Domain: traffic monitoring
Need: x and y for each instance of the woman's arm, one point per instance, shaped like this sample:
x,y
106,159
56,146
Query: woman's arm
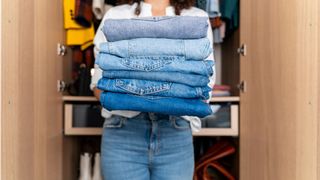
x,y
97,92
97,73
211,57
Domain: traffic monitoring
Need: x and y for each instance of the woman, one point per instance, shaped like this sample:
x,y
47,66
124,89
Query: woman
x,y
147,146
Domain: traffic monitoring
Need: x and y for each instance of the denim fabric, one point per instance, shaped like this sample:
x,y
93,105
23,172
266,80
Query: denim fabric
x,y
153,88
171,27
197,49
156,104
109,62
175,77
147,147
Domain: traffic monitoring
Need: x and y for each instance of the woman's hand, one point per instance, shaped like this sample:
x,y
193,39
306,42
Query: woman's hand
x,y
97,92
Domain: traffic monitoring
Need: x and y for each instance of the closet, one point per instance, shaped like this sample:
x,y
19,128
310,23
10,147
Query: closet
x,y
273,58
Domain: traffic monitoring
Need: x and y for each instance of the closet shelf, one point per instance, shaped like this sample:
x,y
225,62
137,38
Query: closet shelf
x,y
92,98
203,132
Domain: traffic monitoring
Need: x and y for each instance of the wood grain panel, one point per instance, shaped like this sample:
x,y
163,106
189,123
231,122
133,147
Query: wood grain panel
x,y
278,123
31,108
230,62
0,89
318,154
17,89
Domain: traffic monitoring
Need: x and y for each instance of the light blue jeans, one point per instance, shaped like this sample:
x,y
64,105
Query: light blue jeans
x,y
175,77
164,105
147,147
195,49
155,63
153,88
171,27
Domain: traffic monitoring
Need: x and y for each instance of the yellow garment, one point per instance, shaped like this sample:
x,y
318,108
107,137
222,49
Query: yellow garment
x,y
69,11
76,34
86,45
80,36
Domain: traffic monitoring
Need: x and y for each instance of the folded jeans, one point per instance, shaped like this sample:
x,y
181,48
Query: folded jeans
x,y
171,27
155,64
155,104
153,88
175,77
196,49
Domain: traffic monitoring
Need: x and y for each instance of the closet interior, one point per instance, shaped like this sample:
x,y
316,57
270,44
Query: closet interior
x,y
82,121
271,61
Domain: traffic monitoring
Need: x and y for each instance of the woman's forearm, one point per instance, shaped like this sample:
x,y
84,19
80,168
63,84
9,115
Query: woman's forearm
x,y
96,93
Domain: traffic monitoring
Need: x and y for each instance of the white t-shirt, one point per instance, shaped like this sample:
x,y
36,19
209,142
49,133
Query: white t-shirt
x,y
126,12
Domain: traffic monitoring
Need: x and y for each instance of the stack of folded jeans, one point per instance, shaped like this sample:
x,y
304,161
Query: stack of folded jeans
x,y
156,64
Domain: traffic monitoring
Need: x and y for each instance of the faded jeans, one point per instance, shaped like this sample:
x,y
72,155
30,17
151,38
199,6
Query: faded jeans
x,y
153,88
171,27
147,147
175,77
109,62
197,49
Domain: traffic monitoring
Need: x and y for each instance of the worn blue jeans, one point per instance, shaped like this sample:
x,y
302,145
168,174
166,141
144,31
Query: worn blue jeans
x,y
147,147
171,27
153,88
155,63
164,105
175,77
196,49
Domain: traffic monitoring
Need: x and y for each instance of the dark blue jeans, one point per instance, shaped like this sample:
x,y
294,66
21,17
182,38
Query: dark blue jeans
x,y
175,77
153,88
164,105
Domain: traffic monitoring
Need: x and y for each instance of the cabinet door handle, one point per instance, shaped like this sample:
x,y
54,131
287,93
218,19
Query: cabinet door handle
x,y
242,86
61,49
242,50
61,86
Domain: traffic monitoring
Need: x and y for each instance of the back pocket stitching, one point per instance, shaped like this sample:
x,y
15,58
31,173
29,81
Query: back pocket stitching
x,y
142,91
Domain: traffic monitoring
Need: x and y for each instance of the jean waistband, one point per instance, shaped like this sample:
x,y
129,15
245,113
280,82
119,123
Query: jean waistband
x,y
152,116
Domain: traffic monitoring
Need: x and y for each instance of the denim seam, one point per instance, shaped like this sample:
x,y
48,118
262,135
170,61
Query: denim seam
x,y
109,48
200,93
177,127
135,66
157,149
129,48
118,125
140,91
185,50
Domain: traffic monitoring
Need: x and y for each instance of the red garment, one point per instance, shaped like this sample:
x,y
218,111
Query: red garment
x,y
83,12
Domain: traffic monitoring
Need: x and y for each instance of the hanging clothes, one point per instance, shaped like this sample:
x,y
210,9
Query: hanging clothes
x,y
230,14
75,33
100,7
83,12
212,8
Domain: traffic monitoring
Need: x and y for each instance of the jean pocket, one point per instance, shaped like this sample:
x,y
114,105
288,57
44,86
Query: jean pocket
x,y
114,122
180,123
142,88
146,64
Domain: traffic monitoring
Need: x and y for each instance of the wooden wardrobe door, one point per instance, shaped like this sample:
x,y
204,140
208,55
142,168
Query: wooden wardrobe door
x,y
31,106
279,123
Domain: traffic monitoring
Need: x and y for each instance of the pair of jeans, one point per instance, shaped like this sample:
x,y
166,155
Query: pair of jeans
x,y
109,62
171,27
196,49
175,77
153,88
157,104
147,147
